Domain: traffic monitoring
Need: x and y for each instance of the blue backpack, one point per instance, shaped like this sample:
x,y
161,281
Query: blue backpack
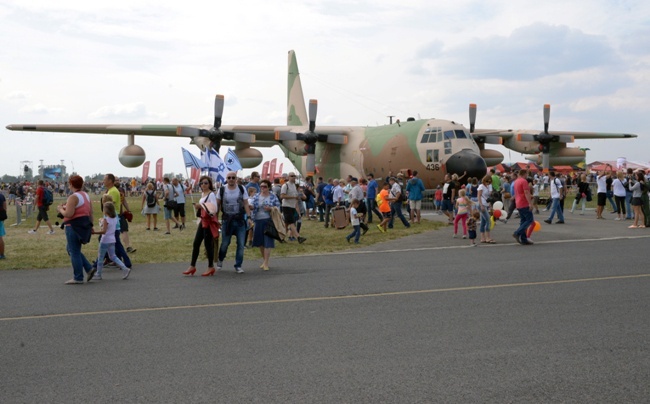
x,y
48,198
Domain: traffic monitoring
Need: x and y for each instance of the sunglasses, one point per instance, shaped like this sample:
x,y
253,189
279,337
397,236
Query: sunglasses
x,y
264,186
205,183
231,178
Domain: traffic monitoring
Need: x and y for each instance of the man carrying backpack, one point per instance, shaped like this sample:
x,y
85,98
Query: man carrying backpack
x,y
43,202
395,199
232,201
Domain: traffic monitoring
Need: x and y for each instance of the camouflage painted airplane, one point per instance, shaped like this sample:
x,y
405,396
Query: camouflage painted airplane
x,y
434,147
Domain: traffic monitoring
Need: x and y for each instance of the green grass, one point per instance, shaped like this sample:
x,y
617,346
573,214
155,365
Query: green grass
x,y
27,251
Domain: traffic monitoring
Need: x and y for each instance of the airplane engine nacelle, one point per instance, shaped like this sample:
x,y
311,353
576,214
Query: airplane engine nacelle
x,y
249,157
565,156
491,157
132,156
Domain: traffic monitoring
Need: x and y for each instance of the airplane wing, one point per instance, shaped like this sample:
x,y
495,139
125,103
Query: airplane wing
x,y
141,130
592,135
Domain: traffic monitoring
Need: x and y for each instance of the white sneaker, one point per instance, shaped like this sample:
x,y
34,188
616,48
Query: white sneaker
x,y
239,270
50,232
31,231
219,265
126,273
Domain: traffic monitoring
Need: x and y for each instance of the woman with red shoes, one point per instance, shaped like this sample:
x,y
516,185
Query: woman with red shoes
x,y
206,230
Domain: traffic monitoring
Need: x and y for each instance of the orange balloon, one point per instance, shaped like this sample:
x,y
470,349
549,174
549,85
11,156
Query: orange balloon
x,y
496,214
537,226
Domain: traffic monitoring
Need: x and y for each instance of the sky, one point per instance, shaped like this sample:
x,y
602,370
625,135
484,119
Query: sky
x,y
162,62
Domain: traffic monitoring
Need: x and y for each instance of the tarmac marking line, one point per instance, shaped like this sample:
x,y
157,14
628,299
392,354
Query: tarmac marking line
x,y
326,298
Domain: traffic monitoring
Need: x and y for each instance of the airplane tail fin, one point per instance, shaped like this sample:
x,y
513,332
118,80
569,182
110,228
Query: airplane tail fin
x,y
296,112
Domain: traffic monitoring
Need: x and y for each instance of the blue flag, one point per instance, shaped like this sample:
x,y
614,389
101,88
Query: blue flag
x,y
232,161
192,161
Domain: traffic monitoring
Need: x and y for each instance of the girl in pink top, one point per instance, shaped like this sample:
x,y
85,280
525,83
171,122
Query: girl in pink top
x,y
463,208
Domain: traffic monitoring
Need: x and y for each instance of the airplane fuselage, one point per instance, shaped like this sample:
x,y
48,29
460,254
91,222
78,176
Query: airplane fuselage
x,y
433,147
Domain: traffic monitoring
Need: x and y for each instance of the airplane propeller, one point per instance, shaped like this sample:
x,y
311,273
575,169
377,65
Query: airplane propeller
x,y
545,138
480,139
310,137
215,134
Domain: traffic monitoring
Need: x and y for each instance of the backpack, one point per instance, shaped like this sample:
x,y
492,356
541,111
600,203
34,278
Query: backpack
x,y
151,199
48,198
240,199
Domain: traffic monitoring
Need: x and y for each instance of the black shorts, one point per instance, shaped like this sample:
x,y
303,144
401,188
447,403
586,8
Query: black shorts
x,y
42,214
289,215
124,224
602,199
636,201
179,210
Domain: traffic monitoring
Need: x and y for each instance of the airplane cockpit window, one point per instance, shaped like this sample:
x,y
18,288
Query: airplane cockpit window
x,y
460,134
425,137
449,134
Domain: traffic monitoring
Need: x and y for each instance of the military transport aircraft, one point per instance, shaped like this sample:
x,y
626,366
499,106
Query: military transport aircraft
x,y
434,147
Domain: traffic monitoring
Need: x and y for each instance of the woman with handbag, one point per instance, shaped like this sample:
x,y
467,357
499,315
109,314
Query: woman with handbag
x,y
262,204
170,204
206,230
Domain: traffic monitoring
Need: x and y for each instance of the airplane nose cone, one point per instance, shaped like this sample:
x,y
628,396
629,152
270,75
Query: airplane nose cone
x,y
467,161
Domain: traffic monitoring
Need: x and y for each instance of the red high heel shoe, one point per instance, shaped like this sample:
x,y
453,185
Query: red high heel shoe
x,y
210,272
190,271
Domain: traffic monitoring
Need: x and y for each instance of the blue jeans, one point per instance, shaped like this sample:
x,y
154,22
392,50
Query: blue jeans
x,y
356,233
103,250
228,229
525,220
396,210
628,199
610,198
485,219
371,205
555,208
79,261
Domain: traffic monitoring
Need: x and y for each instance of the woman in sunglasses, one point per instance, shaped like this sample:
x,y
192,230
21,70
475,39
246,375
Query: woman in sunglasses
x,y
207,206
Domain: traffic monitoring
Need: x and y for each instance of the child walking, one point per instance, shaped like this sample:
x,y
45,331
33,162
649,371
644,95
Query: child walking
x,y
471,226
463,206
107,243
354,221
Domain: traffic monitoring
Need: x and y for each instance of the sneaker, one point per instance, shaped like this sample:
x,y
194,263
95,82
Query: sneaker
x,y
219,265
74,282
31,231
560,222
527,242
97,278
301,240
90,274
126,273
453,236
547,221
473,245
464,237
130,250
530,241
347,239
50,232
381,229
239,270
516,237
617,218
182,227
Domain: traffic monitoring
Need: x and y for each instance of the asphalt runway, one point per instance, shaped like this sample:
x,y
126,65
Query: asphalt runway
x,y
421,319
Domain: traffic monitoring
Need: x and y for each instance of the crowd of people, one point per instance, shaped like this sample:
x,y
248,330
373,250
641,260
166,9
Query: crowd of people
x,y
258,212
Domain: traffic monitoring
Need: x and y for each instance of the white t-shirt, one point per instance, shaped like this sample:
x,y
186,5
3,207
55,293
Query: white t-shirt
x,y
485,194
290,190
231,200
602,184
354,220
556,185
